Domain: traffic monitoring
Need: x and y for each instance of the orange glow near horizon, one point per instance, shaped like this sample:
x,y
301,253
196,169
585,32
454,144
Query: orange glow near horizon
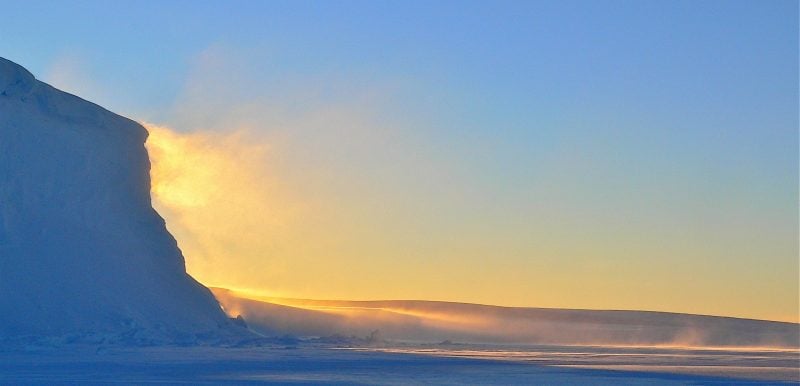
x,y
452,321
248,216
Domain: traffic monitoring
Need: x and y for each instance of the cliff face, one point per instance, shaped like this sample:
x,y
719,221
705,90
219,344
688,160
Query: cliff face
x,y
81,249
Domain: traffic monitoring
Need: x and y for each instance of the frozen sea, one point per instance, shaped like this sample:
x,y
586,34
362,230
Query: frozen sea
x,y
397,364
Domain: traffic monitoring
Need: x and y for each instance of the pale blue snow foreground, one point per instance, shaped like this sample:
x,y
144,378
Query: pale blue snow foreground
x,y
306,363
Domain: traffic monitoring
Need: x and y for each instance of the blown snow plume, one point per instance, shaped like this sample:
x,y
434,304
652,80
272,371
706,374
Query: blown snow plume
x,y
433,321
82,252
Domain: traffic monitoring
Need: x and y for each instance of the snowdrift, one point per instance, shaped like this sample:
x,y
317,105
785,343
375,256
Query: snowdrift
x,y
83,255
431,321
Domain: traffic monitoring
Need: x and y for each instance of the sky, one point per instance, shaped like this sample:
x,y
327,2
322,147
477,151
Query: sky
x,y
602,155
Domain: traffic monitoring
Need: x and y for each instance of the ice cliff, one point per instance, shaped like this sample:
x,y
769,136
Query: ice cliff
x,y
82,252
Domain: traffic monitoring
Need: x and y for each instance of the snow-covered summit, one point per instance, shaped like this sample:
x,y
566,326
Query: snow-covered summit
x,y
82,252
15,80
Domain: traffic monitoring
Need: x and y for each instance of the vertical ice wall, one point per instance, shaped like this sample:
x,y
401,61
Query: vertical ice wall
x,y
81,249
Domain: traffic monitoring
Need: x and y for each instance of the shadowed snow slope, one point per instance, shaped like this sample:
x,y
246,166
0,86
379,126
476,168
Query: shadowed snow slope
x,y
82,252
430,321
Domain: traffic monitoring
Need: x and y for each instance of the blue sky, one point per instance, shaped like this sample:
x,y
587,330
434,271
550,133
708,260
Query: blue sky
x,y
618,139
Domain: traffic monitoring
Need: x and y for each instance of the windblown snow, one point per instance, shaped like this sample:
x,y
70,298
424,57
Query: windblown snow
x,y
82,252
432,321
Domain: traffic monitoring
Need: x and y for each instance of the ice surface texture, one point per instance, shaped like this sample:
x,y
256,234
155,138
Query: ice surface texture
x,y
82,251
